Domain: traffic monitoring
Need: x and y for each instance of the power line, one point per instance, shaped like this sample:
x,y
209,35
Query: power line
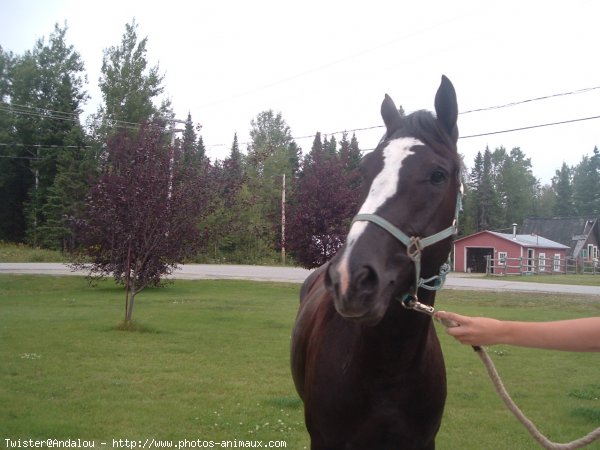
x,y
43,113
489,133
530,127
60,115
535,99
41,110
487,108
21,157
46,146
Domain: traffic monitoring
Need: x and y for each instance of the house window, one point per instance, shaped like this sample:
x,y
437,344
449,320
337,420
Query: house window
x,y
557,262
590,251
542,262
502,257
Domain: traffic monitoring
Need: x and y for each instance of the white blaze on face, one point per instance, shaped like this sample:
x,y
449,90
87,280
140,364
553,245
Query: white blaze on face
x,y
382,188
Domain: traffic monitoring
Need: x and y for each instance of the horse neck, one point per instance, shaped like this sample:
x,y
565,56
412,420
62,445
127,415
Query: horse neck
x,y
402,334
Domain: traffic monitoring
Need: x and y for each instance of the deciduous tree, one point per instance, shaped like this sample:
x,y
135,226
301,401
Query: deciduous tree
x,y
130,89
322,204
272,153
142,214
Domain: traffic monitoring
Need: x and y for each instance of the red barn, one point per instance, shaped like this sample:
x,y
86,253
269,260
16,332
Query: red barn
x,y
509,253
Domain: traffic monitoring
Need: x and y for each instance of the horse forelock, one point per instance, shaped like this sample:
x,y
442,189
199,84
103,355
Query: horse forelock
x,y
424,126
383,187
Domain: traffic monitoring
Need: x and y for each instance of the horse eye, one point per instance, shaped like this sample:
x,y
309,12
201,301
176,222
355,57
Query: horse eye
x,y
438,177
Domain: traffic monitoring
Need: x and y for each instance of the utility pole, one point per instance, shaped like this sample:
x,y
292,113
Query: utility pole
x,y
172,158
283,221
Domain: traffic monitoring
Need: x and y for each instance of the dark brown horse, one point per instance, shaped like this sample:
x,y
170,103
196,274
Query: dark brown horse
x,y
369,371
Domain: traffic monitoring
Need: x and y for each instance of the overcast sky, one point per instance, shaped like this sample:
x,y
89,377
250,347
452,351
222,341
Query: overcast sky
x,y
326,65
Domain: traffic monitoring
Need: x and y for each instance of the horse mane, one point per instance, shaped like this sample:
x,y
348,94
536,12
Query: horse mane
x,y
424,126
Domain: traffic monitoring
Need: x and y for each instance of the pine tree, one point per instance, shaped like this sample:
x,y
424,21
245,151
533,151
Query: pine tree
x,y
486,193
563,189
520,188
233,164
47,84
586,179
349,151
192,154
188,141
12,167
66,200
201,149
316,150
330,147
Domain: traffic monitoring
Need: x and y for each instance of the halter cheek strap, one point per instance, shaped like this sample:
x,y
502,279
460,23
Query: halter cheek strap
x,y
414,248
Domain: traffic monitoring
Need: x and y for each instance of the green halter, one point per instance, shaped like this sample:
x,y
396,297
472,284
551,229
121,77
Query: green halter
x,y
414,248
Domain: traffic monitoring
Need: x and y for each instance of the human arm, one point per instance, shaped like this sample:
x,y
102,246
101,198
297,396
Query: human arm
x,y
578,335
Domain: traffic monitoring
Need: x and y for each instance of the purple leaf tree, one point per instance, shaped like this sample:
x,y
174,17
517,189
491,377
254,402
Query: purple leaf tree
x,y
323,202
142,214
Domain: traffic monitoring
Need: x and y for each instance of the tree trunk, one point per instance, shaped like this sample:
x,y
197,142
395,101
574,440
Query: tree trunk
x,y
131,301
128,285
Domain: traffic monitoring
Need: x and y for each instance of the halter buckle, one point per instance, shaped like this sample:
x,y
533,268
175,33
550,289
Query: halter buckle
x,y
409,300
414,249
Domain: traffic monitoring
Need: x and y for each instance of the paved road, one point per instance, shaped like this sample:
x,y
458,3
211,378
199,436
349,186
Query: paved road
x,y
297,275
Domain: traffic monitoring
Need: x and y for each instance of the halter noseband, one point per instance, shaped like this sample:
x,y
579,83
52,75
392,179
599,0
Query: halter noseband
x,y
414,248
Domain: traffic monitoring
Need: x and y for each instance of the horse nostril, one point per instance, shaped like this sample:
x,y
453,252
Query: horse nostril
x,y
366,280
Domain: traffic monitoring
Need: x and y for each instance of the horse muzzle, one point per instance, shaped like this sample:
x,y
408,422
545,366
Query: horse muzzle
x,y
358,293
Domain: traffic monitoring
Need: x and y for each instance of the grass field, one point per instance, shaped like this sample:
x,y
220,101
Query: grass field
x,y
211,362
583,280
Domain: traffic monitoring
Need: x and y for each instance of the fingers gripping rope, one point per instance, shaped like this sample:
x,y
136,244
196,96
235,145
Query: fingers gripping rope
x,y
412,302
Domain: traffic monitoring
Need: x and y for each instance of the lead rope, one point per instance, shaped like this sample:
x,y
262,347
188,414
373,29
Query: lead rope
x,y
508,401
413,303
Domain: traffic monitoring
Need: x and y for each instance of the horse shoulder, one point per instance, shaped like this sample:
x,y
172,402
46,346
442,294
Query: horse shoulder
x,y
316,275
313,298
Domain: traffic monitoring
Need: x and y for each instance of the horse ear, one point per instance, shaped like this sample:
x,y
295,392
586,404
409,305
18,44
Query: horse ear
x,y
446,107
390,114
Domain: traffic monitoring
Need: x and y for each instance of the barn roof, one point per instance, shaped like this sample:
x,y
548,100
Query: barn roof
x,y
530,240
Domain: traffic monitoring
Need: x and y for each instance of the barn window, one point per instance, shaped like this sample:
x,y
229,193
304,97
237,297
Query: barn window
x,y
542,262
502,257
557,262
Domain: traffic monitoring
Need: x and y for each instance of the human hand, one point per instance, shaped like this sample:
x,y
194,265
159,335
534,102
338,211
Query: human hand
x,y
472,330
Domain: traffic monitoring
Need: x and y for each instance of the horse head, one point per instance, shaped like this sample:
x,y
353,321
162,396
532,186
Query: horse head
x,y
411,184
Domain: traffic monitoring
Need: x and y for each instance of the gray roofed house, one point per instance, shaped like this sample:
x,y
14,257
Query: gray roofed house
x,y
580,234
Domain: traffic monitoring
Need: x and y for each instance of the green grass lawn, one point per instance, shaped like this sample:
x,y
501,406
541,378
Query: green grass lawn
x,y
212,362
579,280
